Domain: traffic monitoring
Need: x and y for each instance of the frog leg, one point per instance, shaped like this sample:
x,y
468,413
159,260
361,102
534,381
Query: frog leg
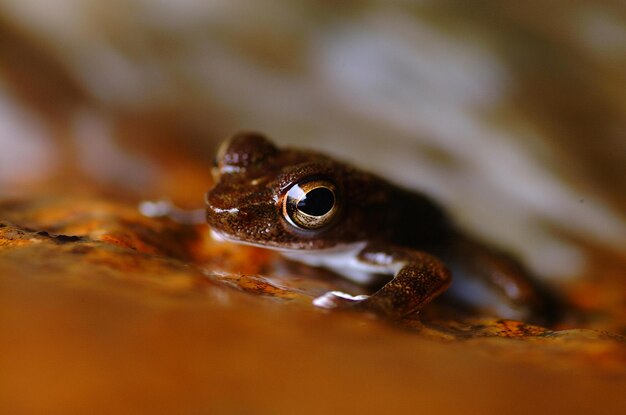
x,y
418,278
513,285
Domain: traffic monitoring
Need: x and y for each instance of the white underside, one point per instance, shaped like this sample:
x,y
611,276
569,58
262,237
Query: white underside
x,y
341,259
345,262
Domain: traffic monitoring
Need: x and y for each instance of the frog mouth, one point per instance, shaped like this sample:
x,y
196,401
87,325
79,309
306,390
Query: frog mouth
x,y
224,237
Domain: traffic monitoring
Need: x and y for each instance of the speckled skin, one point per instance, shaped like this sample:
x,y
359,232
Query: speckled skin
x,y
400,229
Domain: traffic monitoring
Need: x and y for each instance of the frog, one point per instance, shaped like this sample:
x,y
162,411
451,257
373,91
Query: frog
x,y
327,213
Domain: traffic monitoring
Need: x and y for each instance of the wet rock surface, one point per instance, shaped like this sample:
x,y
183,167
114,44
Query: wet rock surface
x,y
104,310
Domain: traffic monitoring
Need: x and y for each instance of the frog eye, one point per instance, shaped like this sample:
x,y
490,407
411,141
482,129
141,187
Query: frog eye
x,y
310,205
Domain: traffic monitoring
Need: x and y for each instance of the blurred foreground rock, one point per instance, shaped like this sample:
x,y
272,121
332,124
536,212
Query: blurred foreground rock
x,y
106,311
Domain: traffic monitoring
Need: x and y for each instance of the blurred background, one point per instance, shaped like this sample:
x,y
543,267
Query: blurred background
x,y
512,114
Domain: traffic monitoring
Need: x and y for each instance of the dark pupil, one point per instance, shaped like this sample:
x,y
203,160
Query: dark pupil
x,y
317,202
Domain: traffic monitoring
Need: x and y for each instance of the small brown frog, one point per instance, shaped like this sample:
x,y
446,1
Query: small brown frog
x,y
326,213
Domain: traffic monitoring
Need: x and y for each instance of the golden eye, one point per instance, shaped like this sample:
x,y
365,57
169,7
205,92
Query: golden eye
x,y
310,205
